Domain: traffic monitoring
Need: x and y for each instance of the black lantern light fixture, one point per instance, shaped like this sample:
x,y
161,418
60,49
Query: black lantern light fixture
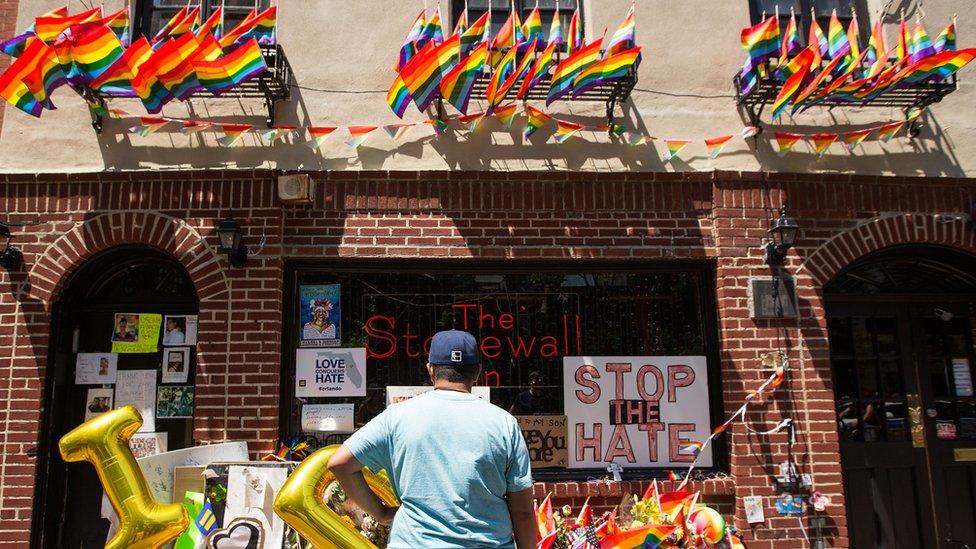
x,y
11,257
782,234
229,232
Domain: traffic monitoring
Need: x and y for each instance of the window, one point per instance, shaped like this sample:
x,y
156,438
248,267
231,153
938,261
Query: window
x,y
500,10
526,321
803,8
152,15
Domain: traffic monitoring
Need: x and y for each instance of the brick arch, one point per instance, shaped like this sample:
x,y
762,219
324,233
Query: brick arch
x,y
883,231
174,236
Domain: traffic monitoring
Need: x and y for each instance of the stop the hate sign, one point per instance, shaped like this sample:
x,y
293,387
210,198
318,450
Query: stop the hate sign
x,y
636,411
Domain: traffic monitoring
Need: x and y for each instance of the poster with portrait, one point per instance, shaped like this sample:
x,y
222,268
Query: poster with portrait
x,y
136,333
148,444
176,364
175,401
319,316
97,402
180,330
96,368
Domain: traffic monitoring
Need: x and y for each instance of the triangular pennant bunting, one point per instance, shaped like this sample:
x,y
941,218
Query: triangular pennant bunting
x,y
675,146
716,144
506,114
887,131
148,125
749,131
358,134
318,134
439,125
396,131
853,139
821,141
232,134
277,132
785,141
191,127
637,139
565,130
472,120
536,119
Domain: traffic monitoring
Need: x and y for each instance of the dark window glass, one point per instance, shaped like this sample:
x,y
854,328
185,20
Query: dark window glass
x,y
152,15
803,9
500,10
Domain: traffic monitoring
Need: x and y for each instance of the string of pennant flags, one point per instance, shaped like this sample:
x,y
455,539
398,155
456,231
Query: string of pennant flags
x,y
535,120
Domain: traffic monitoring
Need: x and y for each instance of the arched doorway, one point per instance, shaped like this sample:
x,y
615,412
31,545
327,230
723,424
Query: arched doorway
x,y
128,279
901,328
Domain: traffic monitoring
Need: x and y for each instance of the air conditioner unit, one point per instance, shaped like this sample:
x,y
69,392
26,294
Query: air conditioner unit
x,y
296,189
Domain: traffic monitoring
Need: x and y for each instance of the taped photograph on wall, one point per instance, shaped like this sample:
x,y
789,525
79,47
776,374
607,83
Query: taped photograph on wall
x,y
320,316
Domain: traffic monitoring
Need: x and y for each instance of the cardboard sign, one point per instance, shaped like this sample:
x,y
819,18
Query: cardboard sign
x,y
327,418
399,393
136,333
159,469
330,372
636,411
545,437
138,388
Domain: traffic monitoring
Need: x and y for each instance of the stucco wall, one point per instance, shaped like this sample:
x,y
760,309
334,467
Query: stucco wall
x,y
691,52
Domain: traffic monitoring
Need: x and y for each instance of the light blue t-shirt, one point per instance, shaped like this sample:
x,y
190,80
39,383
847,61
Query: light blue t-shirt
x,y
451,458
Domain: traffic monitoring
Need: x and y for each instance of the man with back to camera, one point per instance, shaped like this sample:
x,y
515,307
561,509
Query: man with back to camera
x,y
458,464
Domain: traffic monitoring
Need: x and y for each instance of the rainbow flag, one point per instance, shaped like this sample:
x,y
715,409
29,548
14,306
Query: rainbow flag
x,y
624,38
814,84
574,39
837,82
946,41
887,131
565,130
409,47
149,125
694,447
748,77
785,142
674,147
505,68
170,25
877,56
358,135
474,35
497,95
506,114
536,119
398,96
532,27
538,71
38,68
613,67
264,27
213,25
566,71
15,46
934,68
556,29
119,23
852,39
396,131
902,50
233,134
750,131
714,147
191,127
318,135
423,73
761,41
433,30
461,24
649,536
238,66
544,519
190,22
509,35
798,68
674,502
636,139
853,139
457,84
118,78
49,26
88,50
472,120
921,43
822,141
277,132
818,37
439,125
839,45
791,41
231,37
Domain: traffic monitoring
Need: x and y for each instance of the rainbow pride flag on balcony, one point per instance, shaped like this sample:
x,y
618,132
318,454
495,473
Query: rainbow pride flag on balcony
x,y
233,69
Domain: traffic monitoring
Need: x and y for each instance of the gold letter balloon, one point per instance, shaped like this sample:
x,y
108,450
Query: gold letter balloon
x,y
104,442
301,504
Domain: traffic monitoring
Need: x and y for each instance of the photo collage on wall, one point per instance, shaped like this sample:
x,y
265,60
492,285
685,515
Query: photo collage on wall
x,y
150,367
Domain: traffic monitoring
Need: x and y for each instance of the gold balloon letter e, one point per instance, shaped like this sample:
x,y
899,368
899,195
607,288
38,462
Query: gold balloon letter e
x,y
104,442
300,503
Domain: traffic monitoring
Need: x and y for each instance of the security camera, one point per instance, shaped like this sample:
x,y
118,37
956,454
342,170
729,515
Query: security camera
x,y
946,316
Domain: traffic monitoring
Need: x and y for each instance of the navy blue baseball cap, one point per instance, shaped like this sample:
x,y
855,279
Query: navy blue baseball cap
x,y
454,348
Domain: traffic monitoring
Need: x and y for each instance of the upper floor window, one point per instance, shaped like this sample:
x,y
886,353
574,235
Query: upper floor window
x,y
803,10
501,9
152,15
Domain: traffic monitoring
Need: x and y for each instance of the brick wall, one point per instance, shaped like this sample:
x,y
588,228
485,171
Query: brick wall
x,y
721,217
8,28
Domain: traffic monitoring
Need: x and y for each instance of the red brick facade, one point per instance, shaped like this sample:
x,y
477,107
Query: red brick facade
x,y
61,220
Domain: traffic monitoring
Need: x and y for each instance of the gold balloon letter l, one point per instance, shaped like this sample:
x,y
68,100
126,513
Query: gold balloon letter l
x,y
300,503
104,442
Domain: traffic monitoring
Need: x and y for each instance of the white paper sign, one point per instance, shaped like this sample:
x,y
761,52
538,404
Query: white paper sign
x,y
158,469
330,372
138,388
636,411
399,393
176,364
96,368
962,376
250,493
328,418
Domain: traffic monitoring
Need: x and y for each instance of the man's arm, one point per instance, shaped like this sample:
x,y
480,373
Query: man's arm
x,y
349,473
523,518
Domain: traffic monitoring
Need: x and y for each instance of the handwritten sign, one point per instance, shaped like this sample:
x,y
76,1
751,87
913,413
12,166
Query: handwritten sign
x,y
330,372
638,411
545,437
138,388
159,469
136,333
399,393
327,418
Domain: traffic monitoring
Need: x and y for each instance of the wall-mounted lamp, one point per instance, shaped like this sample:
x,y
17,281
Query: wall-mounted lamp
x,y
229,232
782,234
11,257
